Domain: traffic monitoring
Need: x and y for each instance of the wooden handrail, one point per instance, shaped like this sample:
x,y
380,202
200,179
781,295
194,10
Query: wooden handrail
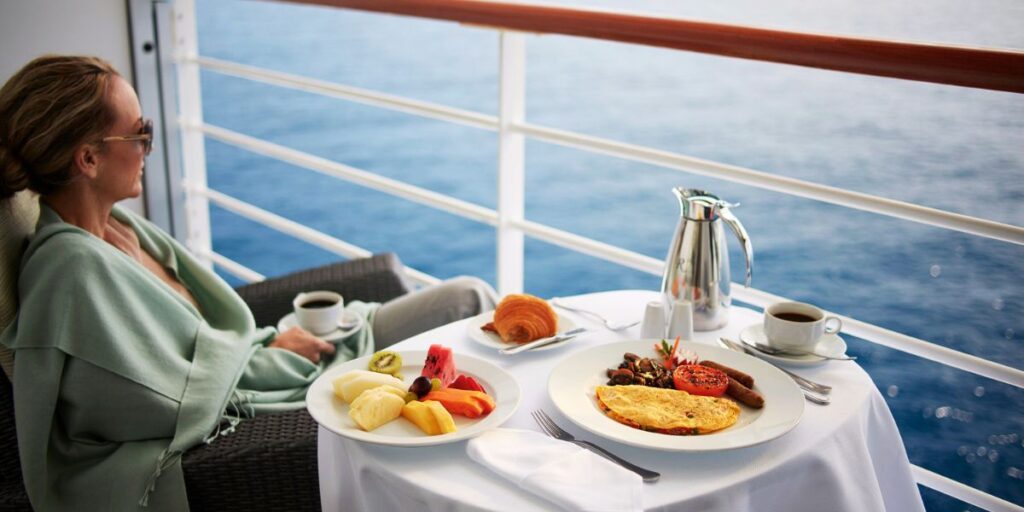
x,y
982,68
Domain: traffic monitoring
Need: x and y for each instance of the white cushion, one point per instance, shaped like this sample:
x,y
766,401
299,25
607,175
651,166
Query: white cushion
x,y
18,218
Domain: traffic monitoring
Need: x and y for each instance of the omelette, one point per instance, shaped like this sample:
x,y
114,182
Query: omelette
x,y
666,411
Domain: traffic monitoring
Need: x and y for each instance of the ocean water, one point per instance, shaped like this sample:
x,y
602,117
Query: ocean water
x,y
944,147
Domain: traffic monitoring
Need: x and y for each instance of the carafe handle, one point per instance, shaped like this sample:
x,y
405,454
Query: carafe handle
x,y
741,234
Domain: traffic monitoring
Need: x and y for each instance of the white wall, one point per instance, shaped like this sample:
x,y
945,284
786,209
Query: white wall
x,y
29,28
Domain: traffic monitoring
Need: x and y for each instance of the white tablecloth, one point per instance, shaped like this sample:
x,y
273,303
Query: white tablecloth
x,y
847,456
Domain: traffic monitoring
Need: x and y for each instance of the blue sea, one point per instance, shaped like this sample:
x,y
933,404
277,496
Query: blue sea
x,y
945,147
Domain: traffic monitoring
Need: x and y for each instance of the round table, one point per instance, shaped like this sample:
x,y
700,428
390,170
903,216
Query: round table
x,y
845,456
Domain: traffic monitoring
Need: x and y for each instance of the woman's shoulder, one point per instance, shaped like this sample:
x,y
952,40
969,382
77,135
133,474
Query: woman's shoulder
x,y
56,242
67,251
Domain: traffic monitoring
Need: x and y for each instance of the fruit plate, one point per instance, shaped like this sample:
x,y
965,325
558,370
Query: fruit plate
x,y
574,381
490,339
332,412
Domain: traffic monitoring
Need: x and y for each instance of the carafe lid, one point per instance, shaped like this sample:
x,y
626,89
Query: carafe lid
x,y
698,204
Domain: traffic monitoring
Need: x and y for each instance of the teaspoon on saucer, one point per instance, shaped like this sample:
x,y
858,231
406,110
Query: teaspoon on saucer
x,y
793,352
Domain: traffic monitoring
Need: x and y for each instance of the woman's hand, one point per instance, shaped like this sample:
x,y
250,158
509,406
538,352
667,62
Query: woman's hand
x,y
303,343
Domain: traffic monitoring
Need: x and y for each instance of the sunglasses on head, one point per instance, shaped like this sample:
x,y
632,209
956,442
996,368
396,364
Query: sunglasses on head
x,y
145,135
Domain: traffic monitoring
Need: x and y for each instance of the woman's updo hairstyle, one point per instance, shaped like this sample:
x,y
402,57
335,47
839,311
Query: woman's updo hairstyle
x,y
47,109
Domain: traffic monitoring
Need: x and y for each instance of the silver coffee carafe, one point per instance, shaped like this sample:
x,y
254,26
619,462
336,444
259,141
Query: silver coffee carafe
x,y
697,265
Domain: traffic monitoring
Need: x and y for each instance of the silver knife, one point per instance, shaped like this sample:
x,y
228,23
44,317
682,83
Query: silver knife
x,y
544,341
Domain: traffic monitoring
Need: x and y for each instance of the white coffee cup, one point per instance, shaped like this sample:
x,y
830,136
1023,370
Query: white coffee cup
x,y
797,325
318,312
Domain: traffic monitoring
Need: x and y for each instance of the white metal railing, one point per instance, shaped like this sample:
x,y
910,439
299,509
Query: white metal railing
x,y
511,161
791,186
841,197
197,213
292,228
509,219
233,267
354,94
967,494
353,175
591,247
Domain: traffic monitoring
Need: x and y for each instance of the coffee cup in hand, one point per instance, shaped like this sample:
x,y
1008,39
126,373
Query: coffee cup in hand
x,y
796,325
318,312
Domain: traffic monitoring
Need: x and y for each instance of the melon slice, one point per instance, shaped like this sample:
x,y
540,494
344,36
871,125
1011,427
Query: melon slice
x,y
441,364
350,385
444,419
422,416
430,416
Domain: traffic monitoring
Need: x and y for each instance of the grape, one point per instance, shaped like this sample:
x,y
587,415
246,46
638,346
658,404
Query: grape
x,y
421,386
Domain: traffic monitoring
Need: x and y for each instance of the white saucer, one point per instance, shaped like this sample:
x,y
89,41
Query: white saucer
x,y
492,340
348,324
829,344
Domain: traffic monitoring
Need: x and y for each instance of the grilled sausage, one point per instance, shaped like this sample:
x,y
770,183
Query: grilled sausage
x,y
744,394
740,377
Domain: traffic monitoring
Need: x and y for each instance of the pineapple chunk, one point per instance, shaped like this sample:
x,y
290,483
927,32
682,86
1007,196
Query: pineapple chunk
x,y
375,407
419,414
399,392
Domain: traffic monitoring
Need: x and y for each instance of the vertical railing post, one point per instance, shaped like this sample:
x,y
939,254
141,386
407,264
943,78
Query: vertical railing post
x,y
197,207
511,161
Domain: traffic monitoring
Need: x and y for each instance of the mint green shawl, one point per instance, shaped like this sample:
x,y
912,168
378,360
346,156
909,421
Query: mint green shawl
x,y
116,374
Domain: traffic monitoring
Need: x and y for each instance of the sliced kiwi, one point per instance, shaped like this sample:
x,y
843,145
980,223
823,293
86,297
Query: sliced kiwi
x,y
385,361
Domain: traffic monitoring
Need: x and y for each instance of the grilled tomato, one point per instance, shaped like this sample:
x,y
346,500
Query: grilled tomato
x,y
700,380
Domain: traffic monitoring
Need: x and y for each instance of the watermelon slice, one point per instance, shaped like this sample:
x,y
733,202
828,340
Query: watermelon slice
x,y
468,383
440,364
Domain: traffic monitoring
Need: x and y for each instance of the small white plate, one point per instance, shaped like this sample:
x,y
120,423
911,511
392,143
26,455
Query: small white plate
x,y
332,412
574,380
348,324
829,345
490,339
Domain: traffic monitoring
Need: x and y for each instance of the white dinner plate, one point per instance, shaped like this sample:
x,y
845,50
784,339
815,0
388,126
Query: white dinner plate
x,y
829,345
574,380
490,339
348,324
332,412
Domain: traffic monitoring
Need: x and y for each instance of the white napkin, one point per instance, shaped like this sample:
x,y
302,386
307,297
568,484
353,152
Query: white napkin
x,y
572,477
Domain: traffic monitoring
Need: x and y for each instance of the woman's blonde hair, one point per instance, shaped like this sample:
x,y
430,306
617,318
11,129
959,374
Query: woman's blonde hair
x,y
47,109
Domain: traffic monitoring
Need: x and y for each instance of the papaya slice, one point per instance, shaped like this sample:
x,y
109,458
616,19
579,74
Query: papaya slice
x,y
471,404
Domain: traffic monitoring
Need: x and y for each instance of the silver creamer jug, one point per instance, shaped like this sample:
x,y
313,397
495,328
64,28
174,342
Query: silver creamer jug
x,y
697,265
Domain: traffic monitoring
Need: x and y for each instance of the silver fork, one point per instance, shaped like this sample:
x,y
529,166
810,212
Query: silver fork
x,y
550,428
611,326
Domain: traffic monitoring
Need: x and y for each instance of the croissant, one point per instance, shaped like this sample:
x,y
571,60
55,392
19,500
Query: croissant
x,y
523,318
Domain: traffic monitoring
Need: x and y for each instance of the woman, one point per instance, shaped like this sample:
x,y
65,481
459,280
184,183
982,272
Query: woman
x,y
128,350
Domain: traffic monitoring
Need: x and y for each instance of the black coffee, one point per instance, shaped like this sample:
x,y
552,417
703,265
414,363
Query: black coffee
x,y
319,304
795,317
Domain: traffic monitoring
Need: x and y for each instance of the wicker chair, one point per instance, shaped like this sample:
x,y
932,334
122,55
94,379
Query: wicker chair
x,y
269,462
